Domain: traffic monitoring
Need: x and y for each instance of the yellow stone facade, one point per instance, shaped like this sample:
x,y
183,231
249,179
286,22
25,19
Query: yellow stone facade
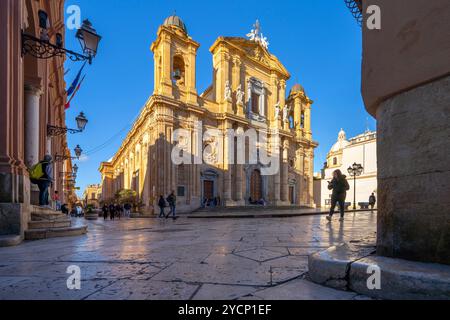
x,y
248,92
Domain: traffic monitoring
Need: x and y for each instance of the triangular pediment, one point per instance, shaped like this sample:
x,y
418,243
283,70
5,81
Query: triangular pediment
x,y
254,51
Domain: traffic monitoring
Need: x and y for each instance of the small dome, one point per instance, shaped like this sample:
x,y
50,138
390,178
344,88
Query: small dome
x,y
341,143
297,88
175,21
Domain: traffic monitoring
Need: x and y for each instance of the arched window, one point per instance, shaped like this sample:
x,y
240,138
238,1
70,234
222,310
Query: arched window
x,y
334,161
178,69
291,122
302,120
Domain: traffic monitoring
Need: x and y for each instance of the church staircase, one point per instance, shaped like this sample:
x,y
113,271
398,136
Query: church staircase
x,y
46,223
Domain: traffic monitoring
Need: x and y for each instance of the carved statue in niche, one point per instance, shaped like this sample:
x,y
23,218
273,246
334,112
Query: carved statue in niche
x,y
227,90
277,111
286,112
240,95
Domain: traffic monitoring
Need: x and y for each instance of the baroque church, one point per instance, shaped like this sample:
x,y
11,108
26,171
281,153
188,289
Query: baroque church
x,y
248,91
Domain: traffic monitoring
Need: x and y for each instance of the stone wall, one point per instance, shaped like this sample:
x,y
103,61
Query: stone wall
x,y
414,174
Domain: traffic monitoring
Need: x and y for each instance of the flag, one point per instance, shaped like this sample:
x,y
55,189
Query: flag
x,y
67,105
75,82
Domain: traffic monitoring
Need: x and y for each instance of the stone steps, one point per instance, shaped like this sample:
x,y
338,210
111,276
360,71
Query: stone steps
x,y
45,224
45,233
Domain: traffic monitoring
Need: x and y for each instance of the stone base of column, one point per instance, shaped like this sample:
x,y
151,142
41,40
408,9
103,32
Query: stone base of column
x,y
34,195
345,266
229,203
14,204
14,219
239,203
281,203
414,174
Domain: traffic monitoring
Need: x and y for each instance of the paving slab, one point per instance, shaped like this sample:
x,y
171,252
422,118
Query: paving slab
x,y
189,258
303,290
223,292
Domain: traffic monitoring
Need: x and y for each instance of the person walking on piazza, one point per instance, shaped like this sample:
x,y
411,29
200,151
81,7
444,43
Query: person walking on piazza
x,y
105,211
119,210
161,205
112,211
372,201
340,186
172,200
127,208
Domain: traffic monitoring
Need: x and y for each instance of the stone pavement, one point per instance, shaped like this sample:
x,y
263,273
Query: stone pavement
x,y
187,259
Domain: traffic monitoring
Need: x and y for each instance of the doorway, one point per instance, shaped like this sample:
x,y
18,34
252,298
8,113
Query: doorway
x,y
208,189
256,186
291,195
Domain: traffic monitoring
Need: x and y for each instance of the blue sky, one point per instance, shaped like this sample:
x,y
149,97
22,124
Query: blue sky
x,y
319,42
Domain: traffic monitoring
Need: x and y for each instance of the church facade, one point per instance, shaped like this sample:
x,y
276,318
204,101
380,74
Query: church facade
x,y
248,94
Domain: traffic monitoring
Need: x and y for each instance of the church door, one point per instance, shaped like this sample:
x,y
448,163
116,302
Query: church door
x,y
256,186
291,195
208,189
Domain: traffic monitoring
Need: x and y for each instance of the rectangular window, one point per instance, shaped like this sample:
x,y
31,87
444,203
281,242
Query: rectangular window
x,y
255,103
181,190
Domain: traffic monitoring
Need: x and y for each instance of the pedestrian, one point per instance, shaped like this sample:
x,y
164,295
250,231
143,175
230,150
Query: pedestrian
x,y
42,175
172,200
161,205
105,211
127,208
119,210
56,199
340,186
64,209
112,211
372,201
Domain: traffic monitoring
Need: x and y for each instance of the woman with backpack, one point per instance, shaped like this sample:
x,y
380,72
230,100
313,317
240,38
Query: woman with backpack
x,y
340,186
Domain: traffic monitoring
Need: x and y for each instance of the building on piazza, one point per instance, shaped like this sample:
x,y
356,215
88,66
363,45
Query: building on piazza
x,y
248,92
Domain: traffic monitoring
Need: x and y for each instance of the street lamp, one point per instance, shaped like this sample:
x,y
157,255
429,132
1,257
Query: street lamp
x,y
81,120
89,39
355,171
41,47
78,151
75,169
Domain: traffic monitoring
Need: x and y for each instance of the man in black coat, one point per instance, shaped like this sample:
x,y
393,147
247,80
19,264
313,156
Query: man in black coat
x,y
340,186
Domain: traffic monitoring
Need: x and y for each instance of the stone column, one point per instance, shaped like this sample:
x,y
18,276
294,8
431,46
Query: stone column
x,y
236,81
32,99
227,167
32,115
239,174
285,172
166,76
406,86
298,116
276,185
308,132
191,76
414,174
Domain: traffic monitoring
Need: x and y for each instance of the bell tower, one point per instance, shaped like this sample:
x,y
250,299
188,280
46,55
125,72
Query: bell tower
x,y
175,56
